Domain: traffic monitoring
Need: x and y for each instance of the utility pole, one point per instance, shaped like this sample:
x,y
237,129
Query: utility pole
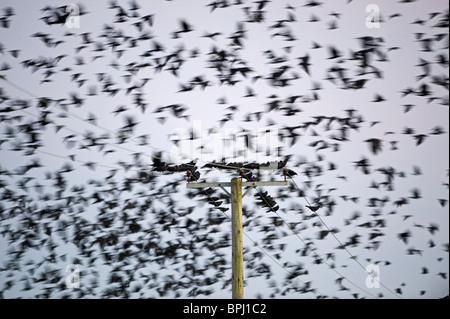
x,y
237,253
237,250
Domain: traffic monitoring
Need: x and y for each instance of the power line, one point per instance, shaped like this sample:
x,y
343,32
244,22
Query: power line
x,y
255,243
307,246
271,208
342,245
64,157
212,164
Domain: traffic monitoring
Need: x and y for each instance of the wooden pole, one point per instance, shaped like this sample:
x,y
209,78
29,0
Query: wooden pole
x,y
236,238
237,262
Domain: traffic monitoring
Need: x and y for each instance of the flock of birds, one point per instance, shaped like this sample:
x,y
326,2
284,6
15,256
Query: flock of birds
x,y
133,221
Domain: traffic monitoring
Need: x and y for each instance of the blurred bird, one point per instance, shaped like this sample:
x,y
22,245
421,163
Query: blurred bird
x,y
314,208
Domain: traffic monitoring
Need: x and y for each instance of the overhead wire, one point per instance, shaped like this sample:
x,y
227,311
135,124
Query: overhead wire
x,y
257,245
245,233
344,247
309,248
214,164
83,120
217,165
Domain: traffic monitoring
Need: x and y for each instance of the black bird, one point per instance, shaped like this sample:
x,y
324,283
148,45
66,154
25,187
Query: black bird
x,y
375,145
358,84
249,176
334,53
290,173
404,236
378,98
265,200
314,208
304,63
185,28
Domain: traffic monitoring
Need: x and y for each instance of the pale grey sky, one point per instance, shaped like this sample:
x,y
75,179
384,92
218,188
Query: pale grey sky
x,y
398,59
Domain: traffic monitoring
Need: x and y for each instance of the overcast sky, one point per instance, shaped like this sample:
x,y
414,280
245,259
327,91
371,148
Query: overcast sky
x,y
339,24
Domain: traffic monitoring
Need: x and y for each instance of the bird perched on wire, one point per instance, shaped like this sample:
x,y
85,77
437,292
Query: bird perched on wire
x,y
248,176
314,208
265,200
193,175
289,172
158,164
